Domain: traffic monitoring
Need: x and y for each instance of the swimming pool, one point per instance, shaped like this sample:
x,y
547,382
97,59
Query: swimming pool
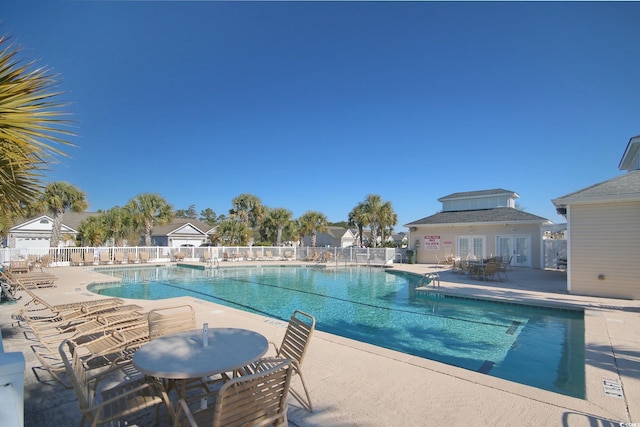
x,y
537,346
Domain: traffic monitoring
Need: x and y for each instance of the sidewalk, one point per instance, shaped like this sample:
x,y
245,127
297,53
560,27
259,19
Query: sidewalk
x,y
357,384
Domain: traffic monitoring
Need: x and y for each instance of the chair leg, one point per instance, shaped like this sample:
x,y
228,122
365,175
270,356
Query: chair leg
x,y
306,403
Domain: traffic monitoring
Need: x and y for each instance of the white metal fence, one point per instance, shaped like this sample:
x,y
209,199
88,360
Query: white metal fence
x,y
65,256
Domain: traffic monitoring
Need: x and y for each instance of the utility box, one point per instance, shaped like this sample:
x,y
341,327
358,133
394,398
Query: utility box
x,y
12,366
411,256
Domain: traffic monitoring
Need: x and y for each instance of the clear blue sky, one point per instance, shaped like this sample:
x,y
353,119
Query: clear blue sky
x,y
314,105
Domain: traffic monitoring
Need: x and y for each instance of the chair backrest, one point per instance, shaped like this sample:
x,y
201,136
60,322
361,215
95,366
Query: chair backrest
x,y
491,268
131,256
206,256
45,260
118,256
257,399
297,337
19,266
144,256
170,320
88,257
77,375
104,257
34,298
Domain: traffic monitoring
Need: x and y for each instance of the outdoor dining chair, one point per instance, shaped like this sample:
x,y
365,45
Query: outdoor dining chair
x,y
293,347
258,399
126,398
171,320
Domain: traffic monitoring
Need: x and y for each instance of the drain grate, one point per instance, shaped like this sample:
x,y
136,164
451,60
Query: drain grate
x,y
612,388
486,367
513,327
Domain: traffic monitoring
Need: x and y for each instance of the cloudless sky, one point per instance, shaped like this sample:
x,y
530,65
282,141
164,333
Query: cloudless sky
x,y
315,105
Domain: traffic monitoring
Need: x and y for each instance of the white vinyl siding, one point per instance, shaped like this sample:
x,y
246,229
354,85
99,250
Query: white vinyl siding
x,y
604,240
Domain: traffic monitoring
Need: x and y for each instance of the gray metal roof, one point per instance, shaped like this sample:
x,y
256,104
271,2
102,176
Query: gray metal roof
x,y
479,215
624,187
480,193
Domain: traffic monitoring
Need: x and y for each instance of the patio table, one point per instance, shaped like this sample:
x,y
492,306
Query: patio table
x,y
183,356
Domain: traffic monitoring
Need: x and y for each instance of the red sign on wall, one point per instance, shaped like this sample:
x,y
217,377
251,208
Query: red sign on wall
x,y
432,243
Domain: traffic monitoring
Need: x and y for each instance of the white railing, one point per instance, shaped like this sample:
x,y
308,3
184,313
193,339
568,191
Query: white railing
x,y
65,256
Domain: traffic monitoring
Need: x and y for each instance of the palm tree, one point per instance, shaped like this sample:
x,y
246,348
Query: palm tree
x,y
373,205
147,210
58,198
358,217
379,215
247,209
31,121
119,225
92,231
278,219
388,219
313,222
232,232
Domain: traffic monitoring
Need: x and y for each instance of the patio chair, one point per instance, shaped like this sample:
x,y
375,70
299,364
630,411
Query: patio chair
x,y
171,320
507,264
39,310
89,258
46,351
258,399
18,266
45,261
288,255
104,258
100,406
438,262
489,271
31,280
144,256
76,259
45,328
131,258
116,346
293,347
118,258
502,268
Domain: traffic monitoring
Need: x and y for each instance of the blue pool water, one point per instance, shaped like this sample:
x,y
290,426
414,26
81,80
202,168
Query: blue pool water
x,y
536,346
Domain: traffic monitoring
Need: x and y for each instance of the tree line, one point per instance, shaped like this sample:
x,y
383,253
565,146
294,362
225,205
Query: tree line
x,y
248,221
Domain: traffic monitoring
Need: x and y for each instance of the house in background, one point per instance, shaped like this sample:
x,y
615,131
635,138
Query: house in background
x,y
603,232
36,232
477,225
334,237
181,232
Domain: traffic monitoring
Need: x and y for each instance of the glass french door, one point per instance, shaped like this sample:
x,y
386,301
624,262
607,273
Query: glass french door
x,y
471,247
518,247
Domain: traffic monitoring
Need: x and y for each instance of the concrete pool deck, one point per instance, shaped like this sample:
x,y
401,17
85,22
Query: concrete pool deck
x,y
357,384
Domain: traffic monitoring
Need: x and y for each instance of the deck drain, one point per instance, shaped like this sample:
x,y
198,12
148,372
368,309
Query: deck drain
x,y
513,327
486,367
612,388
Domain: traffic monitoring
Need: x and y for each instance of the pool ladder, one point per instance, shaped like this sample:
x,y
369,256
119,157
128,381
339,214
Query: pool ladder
x,y
214,261
431,278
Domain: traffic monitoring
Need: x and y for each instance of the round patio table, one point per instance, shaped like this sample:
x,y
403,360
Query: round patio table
x,y
183,356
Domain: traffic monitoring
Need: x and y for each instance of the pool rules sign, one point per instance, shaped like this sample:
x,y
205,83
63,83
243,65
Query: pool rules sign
x,y
432,243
